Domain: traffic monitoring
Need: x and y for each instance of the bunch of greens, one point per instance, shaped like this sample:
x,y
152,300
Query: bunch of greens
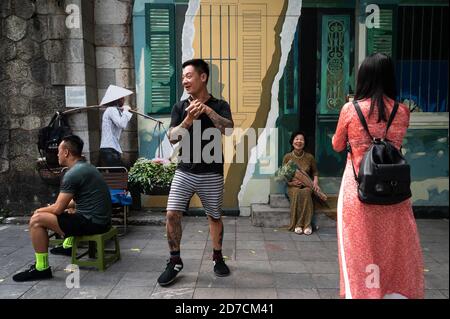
x,y
286,172
147,174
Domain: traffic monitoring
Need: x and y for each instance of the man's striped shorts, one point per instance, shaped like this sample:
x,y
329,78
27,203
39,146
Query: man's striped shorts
x,y
209,187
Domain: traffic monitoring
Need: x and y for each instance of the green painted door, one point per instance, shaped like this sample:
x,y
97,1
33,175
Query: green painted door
x,y
336,52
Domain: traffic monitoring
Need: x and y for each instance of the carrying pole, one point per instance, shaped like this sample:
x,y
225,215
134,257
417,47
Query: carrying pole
x,y
159,123
75,110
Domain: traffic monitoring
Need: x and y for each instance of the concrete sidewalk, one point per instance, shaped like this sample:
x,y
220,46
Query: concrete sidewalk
x,y
265,263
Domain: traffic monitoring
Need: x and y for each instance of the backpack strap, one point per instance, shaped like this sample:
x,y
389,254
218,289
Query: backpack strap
x,y
391,118
361,118
349,149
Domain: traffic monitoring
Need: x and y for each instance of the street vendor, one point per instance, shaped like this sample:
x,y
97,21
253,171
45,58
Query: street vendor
x,y
115,119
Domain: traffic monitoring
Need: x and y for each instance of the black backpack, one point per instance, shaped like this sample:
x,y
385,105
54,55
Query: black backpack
x,y
384,176
50,136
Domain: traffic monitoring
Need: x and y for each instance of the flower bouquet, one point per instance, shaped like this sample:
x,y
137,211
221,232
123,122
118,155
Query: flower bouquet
x,y
290,171
286,172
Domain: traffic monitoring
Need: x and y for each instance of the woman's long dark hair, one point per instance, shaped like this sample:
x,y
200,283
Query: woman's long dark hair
x,y
376,79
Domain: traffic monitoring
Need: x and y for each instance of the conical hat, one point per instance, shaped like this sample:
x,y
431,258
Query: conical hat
x,y
114,93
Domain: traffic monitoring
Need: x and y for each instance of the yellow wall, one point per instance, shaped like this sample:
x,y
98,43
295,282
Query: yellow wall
x,y
240,39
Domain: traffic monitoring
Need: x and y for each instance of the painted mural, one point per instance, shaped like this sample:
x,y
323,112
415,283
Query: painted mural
x,y
284,64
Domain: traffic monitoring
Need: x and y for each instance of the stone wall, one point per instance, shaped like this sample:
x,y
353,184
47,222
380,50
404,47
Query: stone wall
x,y
39,57
27,98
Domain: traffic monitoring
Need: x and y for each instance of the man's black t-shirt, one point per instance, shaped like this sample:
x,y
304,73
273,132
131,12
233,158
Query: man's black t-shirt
x,y
222,108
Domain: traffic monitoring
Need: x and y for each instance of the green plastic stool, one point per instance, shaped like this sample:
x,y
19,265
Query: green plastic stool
x,y
56,241
101,256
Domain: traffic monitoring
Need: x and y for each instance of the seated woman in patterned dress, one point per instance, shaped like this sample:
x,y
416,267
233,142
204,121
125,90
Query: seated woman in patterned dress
x,y
300,194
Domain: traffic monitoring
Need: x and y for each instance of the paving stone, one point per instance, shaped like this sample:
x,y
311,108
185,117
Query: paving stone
x,y
98,292
193,253
172,293
130,292
298,293
214,293
249,236
154,264
285,255
434,294
192,244
45,292
292,267
304,238
251,254
326,280
250,244
247,229
97,278
139,279
277,236
272,246
253,266
322,267
318,256
13,291
260,293
210,280
436,281
329,293
283,280
253,279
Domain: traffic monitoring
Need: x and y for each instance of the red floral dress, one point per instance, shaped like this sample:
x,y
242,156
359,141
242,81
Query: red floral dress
x,y
379,249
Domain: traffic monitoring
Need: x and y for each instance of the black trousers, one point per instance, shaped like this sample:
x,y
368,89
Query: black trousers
x,y
109,157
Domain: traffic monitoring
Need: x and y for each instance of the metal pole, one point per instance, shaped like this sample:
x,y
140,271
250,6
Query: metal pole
x,y
104,106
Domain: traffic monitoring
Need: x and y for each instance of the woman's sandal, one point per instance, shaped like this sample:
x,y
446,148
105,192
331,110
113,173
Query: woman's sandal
x,y
308,230
298,230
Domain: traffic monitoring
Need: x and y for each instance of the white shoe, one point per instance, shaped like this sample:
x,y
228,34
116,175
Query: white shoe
x,y
308,230
298,230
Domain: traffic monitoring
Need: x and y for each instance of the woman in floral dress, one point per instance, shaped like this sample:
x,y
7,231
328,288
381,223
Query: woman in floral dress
x,y
379,250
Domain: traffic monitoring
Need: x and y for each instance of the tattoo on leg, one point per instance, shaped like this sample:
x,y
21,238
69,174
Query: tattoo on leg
x,y
221,233
174,231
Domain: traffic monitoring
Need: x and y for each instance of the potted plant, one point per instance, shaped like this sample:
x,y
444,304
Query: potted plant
x,y
152,177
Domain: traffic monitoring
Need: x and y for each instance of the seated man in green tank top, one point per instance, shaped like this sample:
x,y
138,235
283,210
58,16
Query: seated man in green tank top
x,y
82,184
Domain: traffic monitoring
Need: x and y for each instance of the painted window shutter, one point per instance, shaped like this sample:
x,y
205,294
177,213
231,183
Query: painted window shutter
x,y
160,79
252,55
380,40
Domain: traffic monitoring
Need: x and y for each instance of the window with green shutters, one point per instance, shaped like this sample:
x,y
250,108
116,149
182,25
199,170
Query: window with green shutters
x,y
380,39
160,75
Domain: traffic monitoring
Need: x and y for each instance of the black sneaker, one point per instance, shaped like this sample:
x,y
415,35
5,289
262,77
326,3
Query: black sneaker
x,y
33,274
220,269
60,250
172,270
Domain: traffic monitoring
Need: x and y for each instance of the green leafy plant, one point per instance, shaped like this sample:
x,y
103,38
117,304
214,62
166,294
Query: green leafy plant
x,y
147,174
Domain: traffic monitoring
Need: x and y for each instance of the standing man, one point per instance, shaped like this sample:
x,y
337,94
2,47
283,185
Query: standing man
x,y
201,177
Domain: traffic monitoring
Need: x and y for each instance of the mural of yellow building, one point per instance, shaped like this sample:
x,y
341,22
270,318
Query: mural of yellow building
x,y
273,62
